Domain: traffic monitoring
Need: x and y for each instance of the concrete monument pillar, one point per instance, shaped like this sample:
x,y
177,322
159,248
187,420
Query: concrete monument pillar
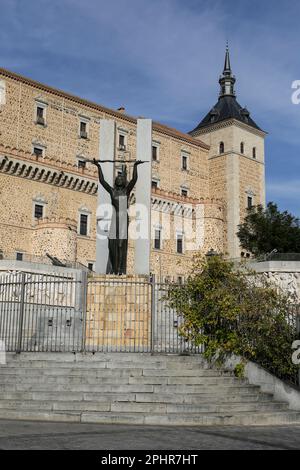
x,y
103,215
143,197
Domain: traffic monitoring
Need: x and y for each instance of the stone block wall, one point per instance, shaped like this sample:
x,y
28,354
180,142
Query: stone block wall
x,y
118,313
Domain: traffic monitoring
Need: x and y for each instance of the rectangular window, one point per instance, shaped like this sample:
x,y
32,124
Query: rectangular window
x,y
40,117
81,163
91,266
249,202
38,151
83,130
179,244
154,184
83,229
38,211
184,162
157,239
122,145
154,153
19,256
184,192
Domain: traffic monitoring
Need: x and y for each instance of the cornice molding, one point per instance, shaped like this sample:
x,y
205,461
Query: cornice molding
x,y
227,123
57,177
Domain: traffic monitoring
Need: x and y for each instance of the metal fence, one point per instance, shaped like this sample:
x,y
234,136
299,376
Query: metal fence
x,y
64,313
40,312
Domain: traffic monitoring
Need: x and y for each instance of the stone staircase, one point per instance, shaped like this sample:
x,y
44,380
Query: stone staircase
x,y
132,388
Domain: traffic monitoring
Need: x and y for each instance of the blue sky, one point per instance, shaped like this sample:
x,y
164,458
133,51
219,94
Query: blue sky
x,y
162,59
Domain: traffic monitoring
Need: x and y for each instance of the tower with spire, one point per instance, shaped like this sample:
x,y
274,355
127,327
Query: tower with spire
x,y
236,156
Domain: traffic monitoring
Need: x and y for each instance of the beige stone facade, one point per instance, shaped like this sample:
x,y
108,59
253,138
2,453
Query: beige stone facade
x,y
235,175
55,181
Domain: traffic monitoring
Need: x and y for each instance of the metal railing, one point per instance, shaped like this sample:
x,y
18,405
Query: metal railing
x,y
61,313
40,312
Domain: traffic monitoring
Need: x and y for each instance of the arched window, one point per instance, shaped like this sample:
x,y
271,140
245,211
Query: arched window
x,y
221,147
242,147
254,152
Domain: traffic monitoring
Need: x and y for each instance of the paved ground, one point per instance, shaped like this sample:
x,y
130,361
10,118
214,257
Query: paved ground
x,y
36,435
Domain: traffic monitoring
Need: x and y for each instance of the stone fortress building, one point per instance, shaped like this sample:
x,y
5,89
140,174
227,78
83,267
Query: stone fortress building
x,y
207,177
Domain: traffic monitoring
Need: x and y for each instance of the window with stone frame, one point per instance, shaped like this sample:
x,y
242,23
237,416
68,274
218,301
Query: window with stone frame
x,y
184,192
38,151
154,153
38,211
179,243
40,115
19,256
83,129
122,142
157,238
81,163
184,162
83,224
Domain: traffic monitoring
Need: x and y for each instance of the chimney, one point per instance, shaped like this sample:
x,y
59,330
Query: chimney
x,y
121,110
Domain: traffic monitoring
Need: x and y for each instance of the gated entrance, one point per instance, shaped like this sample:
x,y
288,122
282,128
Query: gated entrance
x,y
69,312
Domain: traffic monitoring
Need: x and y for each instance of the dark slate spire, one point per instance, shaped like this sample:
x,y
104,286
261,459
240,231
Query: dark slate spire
x,y
227,68
227,106
227,80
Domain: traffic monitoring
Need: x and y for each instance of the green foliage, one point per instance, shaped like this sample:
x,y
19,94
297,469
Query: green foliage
x,y
264,230
229,311
239,370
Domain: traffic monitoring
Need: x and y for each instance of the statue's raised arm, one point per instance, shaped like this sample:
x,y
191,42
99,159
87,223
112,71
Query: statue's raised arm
x,y
102,181
134,178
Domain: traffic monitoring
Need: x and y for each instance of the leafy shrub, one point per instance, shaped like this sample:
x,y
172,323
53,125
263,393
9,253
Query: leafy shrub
x,y
230,310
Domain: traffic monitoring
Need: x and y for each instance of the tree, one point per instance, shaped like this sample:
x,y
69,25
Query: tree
x,y
264,230
233,311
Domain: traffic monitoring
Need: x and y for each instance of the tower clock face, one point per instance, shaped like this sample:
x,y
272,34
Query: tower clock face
x,y
2,92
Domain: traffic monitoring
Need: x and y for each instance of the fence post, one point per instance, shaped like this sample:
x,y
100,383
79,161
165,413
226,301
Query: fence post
x,y
22,308
84,278
153,309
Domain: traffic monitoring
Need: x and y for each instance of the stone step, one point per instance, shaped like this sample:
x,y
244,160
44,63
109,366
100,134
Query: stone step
x,y
103,372
152,408
105,388
171,419
68,396
77,380
111,365
145,408
132,388
202,397
102,357
202,388
199,419
247,395
124,388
